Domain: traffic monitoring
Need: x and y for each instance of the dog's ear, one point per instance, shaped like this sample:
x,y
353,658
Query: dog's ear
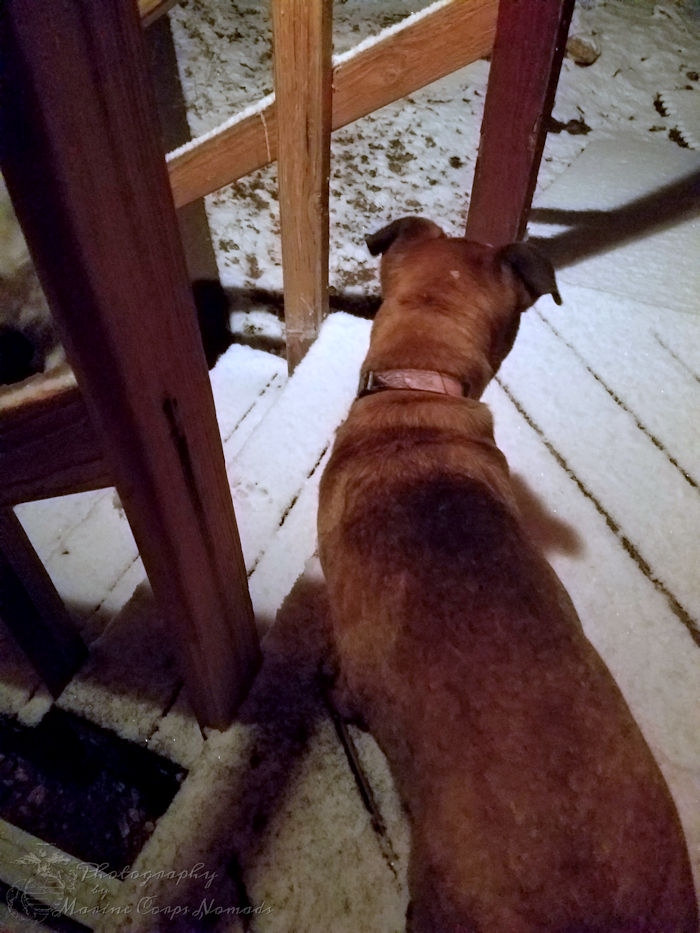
x,y
405,227
533,269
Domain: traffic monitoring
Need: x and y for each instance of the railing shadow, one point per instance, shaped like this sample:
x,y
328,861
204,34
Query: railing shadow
x,y
594,231
248,299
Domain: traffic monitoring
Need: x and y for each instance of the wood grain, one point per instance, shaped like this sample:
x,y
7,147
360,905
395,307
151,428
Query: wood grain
x,y
527,56
444,39
86,174
302,64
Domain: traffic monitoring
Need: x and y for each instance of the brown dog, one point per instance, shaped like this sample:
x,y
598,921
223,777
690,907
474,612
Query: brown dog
x,y
535,803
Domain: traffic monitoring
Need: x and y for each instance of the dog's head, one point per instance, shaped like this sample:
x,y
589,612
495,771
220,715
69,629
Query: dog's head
x,y
481,289
532,269
404,230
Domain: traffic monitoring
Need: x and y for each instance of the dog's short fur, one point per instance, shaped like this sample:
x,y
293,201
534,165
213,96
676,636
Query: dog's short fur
x,y
535,803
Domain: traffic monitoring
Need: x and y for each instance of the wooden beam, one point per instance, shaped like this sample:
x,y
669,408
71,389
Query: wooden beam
x,y
32,610
48,446
527,56
86,174
303,74
430,45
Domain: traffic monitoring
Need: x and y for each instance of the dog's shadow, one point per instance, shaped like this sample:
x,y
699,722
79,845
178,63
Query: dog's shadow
x,y
549,531
261,770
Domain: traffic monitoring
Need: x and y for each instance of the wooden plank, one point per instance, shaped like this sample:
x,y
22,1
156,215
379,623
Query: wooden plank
x,y
151,10
88,180
32,610
428,46
58,880
48,446
527,56
303,74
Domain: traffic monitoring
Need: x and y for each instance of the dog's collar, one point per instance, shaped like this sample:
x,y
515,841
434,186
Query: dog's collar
x,y
425,380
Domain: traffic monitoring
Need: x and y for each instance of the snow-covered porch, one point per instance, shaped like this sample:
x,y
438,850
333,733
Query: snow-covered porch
x,y
595,410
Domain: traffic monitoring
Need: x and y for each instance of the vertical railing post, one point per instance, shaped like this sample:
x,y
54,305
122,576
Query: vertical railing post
x,y
303,91
81,156
525,64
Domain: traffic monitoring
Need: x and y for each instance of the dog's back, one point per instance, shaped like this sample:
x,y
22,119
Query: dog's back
x,y
535,803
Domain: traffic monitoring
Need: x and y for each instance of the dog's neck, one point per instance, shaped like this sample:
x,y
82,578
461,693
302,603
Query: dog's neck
x,y
467,368
424,380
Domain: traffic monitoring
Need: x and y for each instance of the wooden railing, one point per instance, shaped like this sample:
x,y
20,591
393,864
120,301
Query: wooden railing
x,y
80,152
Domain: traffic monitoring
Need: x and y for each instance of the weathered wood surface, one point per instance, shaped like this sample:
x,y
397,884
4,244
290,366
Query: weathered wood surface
x,y
527,57
86,173
425,49
303,75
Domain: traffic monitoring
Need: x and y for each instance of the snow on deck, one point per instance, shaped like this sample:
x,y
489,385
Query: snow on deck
x,y
596,409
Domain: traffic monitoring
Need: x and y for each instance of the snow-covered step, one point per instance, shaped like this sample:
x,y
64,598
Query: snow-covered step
x,y
89,560
245,384
656,510
270,472
618,341
626,617
649,652
49,521
291,546
276,789
130,676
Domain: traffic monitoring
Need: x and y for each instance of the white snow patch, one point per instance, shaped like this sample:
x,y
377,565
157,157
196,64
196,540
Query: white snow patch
x,y
393,30
257,108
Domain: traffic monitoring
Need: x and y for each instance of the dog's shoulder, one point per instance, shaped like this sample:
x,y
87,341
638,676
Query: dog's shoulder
x,y
447,518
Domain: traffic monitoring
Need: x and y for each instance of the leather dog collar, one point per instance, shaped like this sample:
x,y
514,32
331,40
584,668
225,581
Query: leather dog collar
x,y
423,379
